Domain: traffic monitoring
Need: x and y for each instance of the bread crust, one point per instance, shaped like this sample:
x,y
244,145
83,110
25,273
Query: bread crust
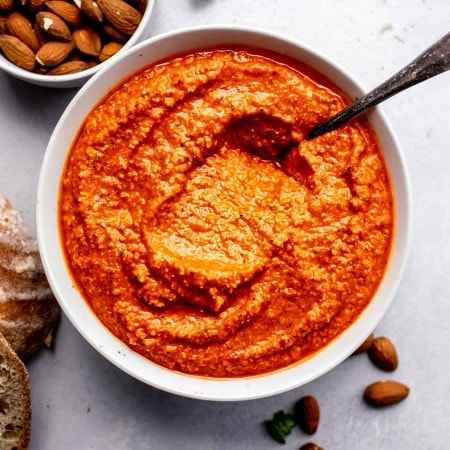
x,y
28,309
15,400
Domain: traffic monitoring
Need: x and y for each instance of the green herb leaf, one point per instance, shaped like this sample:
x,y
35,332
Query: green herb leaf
x,y
280,426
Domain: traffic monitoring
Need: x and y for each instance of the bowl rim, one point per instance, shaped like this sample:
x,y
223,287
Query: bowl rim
x,y
75,79
87,324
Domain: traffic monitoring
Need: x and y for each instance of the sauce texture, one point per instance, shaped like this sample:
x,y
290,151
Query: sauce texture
x,y
202,229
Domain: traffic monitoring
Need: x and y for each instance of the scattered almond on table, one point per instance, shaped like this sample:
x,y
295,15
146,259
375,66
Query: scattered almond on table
x,y
310,446
383,354
59,37
385,393
307,414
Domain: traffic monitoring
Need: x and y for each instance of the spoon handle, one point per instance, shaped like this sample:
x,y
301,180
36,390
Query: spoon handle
x,y
433,61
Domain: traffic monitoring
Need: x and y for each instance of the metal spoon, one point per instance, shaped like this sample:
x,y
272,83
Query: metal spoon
x,y
431,62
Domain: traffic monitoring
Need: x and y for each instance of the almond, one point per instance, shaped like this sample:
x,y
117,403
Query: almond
x,y
108,50
113,34
76,56
365,345
69,67
17,52
307,414
385,393
3,25
383,354
87,41
310,446
20,27
6,5
90,9
39,34
52,29
53,26
68,12
53,53
35,5
121,15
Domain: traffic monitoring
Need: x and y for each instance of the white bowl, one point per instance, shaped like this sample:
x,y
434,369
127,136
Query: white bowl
x,y
79,78
77,309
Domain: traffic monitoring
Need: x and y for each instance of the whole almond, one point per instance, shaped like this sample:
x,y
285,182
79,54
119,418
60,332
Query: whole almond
x,y
114,34
383,354
121,15
307,414
35,5
68,12
385,393
53,53
17,52
365,346
39,34
310,446
6,5
87,41
69,67
90,9
53,26
108,50
77,56
20,27
3,25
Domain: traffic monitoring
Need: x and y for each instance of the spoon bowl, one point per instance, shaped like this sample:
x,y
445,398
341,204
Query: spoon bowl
x,y
76,308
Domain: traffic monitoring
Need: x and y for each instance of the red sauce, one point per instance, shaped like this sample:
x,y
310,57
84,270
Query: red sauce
x,y
206,233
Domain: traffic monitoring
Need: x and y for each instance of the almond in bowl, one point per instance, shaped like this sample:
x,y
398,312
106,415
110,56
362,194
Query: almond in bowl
x,y
61,44
206,247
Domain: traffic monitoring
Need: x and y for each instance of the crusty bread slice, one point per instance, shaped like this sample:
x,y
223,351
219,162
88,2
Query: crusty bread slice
x,y
28,310
15,400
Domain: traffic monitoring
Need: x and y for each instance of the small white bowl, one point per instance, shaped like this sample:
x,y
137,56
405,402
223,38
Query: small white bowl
x,y
79,78
77,309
